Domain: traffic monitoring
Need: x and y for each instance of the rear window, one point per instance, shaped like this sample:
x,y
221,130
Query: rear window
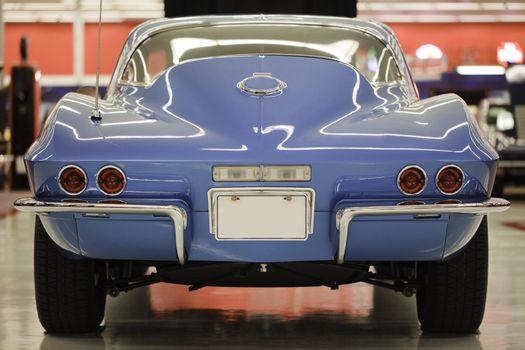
x,y
166,49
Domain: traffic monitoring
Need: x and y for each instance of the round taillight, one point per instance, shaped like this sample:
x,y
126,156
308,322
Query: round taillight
x,y
111,180
72,180
411,203
449,179
112,201
449,201
411,180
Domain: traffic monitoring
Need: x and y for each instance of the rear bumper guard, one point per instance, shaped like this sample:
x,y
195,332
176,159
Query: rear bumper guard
x,y
345,216
177,214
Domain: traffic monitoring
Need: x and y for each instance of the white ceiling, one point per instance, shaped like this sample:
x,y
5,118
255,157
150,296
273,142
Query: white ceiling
x,y
69,10
382,10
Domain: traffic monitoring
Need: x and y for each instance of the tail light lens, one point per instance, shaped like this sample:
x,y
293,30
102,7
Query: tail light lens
x,y
449,179
411,203
112,201
111,180
72,180
449,201
412,180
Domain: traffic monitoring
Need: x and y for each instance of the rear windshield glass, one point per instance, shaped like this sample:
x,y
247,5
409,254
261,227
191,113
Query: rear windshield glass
x,y
166,49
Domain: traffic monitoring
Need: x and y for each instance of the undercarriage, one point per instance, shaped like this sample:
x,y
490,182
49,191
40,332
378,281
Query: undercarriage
x,y
400,277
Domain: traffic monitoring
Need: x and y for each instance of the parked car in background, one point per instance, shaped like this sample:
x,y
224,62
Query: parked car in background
x,y
261,151
497,119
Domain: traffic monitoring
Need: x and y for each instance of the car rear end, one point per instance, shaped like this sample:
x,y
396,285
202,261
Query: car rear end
x,y
263,168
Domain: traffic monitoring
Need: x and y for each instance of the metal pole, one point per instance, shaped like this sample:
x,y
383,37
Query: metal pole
x,y
96,111
1,44
78,45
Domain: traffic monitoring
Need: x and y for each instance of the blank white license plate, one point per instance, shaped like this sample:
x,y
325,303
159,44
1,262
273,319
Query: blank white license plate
x,y
262,217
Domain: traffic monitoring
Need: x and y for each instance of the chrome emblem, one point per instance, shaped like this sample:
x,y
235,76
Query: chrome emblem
x,y
262,84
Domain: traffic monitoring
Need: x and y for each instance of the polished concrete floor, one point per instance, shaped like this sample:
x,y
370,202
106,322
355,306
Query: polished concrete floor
x,y
355,317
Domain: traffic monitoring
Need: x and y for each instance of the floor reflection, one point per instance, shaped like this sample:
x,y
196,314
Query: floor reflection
x,y
355,317
289,303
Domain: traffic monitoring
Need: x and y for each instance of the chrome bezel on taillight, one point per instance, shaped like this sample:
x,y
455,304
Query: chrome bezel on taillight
x,y
399,178
462,181
114,168
64,168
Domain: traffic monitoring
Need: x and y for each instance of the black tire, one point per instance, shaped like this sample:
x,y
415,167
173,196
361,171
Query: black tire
x,y
139,270
499,187
70,297
452,294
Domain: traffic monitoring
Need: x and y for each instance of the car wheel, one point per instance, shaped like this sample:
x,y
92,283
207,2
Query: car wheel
x,y
499,186
70,297
451,295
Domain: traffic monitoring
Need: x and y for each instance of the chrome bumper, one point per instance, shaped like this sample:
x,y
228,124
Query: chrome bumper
x,y
179,217
176,214
345,216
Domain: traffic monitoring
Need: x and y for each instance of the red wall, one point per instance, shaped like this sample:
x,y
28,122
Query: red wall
x,y
461,42
113,37
51,44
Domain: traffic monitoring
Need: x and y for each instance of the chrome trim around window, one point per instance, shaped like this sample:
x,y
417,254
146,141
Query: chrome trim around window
x,y
176,214
345,216
373,28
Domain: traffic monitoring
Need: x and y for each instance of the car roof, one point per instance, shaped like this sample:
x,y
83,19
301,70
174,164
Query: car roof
x,y
149,28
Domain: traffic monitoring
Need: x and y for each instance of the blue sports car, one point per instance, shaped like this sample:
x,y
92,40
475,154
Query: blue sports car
x,y
261,151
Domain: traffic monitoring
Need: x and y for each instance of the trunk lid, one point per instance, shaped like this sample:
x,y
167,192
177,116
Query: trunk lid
x,y
198,106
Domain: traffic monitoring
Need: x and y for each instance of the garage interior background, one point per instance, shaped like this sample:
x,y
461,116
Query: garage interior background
x,y
63,33
62,43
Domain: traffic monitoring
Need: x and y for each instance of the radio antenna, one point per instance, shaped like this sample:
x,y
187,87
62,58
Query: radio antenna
x,y
95,114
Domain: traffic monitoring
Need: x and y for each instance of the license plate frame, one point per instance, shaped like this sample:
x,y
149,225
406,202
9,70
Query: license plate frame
x,y
261,214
